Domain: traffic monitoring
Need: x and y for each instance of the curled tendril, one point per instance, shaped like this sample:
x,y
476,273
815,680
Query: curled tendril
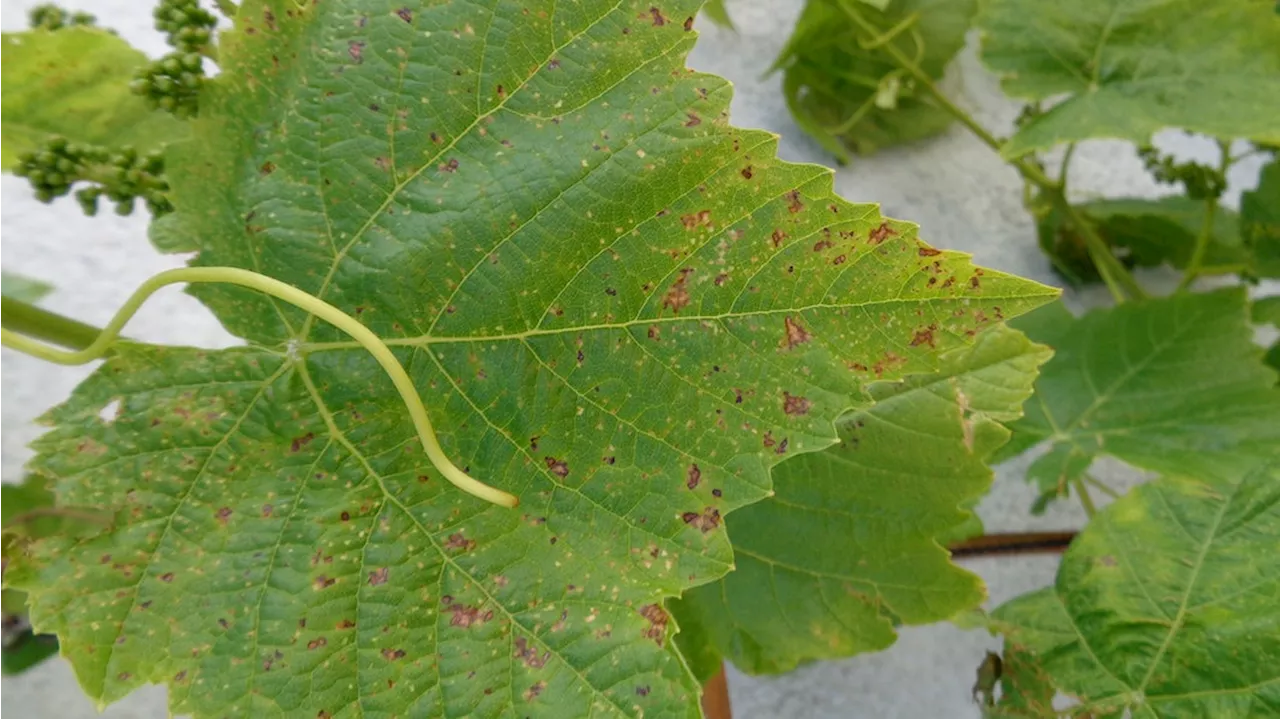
x,y
297,298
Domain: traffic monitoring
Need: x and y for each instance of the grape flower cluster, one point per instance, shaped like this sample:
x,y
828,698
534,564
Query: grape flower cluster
x,y
123,175
173,82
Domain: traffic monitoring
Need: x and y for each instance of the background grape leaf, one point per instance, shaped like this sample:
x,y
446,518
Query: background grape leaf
x,y
828,78
1266,311
1132,67
1147,233
1165,604
1260,220
618,307
23,288
1171,384
74,82
847,547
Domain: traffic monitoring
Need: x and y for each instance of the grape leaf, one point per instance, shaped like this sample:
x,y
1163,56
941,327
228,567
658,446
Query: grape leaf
x,y
611,300
717,11
853,99
847,547
1260,220
1026,691
23,288
1129,68
1165,605
75,83
1170,385
1266,311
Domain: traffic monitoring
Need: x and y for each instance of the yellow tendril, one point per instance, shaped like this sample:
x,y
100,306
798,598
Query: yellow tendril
x,y
297,298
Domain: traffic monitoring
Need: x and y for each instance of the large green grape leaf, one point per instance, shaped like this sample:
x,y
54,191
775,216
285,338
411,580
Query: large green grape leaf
x,y
848,548
852,98
617,307
1147,233
1164,606
74,82
1129,68
1260,220
1171,385
23,288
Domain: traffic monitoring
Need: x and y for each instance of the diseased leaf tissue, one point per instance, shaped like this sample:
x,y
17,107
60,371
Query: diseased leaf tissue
x,y
617,306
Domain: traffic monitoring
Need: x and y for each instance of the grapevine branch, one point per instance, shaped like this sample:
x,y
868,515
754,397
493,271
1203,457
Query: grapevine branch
x,y
298,298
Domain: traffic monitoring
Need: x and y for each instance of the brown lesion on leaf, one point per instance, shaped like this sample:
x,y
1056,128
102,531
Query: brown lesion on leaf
x,y
778,446
794,333
693,476
777,238
747,172
466,616
657,619
705,521
688,24
458,542
677,296
299,442
405,14
450,166
694,220
794,203
323,582
795,405
317,643
821,245
355,49
924,337
392,654
533,691
558,467
223,515
657,17
974,281
926,251
380,575
528,654
267,168
881,233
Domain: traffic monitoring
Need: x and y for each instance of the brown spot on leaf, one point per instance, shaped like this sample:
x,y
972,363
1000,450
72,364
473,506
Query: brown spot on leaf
x,y
392,654
928,251
793,201
655,333
657,618
317,643
267,168
881,233
379,576
795,333
558,467
223,515
658,18
747,172
459,542
693,476
693,120
405,14
465,616
688,23
924,337
794,405
300,442
677,296
705,521
533,691
323,581
450,166
821,245
166,577
529,655
694,220
355,49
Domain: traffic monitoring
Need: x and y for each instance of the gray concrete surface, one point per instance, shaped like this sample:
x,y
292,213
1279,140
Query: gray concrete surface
x,y
953,186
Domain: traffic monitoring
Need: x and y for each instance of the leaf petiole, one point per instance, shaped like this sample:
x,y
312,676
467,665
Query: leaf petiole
x,y
303,300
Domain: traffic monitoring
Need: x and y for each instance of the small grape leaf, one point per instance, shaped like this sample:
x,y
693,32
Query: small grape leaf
x,y
847,547
607,296
1164,606
1172,384
1026,691
1129,68
1266,311
23,288
1260,220
829,79
75,83
1151,233
717,11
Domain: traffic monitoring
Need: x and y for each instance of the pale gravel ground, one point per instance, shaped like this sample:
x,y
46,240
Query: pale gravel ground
x,y
954,187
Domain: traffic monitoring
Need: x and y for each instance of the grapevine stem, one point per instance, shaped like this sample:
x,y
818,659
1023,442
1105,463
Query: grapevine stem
x,y
1195,267
294,296
1117,278
43,324
1086,501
